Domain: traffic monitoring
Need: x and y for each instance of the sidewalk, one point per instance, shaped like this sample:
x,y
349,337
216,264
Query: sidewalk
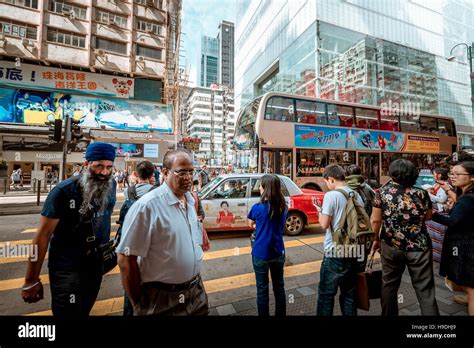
x,y
304,303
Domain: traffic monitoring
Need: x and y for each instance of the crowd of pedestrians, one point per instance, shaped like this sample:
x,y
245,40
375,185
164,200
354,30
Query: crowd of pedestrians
x,y
162,240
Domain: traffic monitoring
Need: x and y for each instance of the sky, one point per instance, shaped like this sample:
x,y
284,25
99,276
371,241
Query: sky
x,y
201,17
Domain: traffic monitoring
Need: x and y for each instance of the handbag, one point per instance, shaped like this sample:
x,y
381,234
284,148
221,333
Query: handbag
x,y
369,285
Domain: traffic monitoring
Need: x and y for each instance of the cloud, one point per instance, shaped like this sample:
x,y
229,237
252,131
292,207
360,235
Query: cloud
x,y
202,18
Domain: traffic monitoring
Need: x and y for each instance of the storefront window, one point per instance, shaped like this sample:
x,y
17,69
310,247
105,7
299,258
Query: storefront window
x,y
343,158
310,162
310,112
279,109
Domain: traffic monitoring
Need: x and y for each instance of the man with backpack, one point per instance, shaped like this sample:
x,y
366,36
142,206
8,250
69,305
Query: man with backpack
x,y
347,225
355,181
203,177
145,171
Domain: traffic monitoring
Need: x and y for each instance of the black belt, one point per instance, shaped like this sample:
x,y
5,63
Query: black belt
x,y
174,287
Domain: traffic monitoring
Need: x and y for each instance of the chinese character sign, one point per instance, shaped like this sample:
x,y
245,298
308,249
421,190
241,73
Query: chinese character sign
x,y
52,79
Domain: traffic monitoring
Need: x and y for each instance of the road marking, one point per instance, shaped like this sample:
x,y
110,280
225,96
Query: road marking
x,y
11,284
33,230
114,305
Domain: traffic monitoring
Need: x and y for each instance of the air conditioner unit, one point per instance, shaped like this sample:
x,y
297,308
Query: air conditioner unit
x,y
27,42
99,52
72,14
140,59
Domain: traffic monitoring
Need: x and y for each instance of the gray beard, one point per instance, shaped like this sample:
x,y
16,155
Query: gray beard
x,y
95,194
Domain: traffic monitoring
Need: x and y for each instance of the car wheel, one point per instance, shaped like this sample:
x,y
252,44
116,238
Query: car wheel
x,y
294,224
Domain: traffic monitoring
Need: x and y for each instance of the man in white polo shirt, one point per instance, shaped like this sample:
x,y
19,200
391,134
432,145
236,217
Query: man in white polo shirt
x,y
160,254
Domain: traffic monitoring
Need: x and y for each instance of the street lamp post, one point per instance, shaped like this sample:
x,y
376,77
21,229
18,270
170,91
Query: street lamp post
x,y
471,75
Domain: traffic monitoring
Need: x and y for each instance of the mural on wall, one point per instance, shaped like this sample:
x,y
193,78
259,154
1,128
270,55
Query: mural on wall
x,y
37,107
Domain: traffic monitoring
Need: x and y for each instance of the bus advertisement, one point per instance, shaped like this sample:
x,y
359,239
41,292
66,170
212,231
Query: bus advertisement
x,y
299,136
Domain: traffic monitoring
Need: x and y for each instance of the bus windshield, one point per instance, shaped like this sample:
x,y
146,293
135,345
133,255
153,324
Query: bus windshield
x,y
245,137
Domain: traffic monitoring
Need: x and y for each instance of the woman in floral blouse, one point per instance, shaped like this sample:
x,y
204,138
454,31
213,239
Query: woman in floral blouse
x,y
403,210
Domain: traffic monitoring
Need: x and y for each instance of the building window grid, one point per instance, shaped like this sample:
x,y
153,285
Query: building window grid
x,y
63,8
18,30
149,52
111,46
23,3
109,17
65,38
148,26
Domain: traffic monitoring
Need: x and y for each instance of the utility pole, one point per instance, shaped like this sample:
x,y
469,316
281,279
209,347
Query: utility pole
x,y
212,123
66,140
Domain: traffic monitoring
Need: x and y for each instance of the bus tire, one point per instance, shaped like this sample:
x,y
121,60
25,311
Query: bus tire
x,y
313,186
294,224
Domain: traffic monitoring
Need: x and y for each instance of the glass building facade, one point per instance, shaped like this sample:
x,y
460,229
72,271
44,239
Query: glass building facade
x,y
363,51
209,61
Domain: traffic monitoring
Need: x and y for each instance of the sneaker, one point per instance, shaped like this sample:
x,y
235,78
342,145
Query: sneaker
x,y
460,299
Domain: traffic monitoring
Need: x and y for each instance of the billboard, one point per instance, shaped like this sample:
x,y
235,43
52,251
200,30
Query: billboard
x,y
151,150
37,107
363,139
128,150
53,79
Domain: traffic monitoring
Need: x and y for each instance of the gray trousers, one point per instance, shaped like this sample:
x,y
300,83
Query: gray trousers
x,y
420,266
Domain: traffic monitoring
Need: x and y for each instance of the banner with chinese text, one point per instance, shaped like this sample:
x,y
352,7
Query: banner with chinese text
x,y
53,79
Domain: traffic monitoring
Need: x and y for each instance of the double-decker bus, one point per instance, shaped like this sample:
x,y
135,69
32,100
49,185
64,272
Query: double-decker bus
x,y
299,136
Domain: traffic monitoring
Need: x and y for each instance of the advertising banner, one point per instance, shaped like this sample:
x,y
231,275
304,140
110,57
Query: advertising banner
x,y
151,150
53,79
362,139
128,150
37,107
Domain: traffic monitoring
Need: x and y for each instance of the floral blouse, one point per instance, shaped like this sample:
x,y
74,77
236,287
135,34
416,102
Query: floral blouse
x,y
403,215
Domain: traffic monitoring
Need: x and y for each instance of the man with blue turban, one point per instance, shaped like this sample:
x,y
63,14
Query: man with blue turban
x,y
75,219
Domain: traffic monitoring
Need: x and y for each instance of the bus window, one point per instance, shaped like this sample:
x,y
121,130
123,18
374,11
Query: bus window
x,y
279,109
446,127
343,158
340,115
409,124
310,162
310,112
429,125
367,118
389,122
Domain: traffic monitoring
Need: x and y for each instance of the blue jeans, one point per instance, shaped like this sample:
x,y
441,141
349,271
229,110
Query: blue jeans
x,y
261,268
337,273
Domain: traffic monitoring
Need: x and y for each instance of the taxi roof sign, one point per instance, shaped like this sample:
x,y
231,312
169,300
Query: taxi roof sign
x,y
425,171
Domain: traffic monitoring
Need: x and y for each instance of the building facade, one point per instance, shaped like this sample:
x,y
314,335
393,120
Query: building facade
x,y
363,51
110,64
210,117
209,64
226,53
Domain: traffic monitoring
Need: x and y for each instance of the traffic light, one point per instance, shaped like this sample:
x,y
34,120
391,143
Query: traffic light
x,y
76,131
55,130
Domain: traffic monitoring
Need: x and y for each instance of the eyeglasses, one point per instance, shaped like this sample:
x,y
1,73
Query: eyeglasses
x,y
457,174
183,173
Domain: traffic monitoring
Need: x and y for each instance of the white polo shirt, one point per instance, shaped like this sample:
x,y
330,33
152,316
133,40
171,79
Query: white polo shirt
x,y
165,237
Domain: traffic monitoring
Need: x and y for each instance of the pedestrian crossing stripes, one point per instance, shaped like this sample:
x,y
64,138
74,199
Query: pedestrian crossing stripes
x,y
11,284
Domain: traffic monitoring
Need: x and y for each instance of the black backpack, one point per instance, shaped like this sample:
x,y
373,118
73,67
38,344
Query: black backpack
x,y
132,198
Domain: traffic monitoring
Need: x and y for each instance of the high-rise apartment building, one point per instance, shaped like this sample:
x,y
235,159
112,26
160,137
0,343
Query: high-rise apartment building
x,y
111,64
210,117
364,51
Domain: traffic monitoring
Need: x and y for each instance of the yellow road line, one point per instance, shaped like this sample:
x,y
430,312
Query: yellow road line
x,y
11,284
4,260
33,230
114,305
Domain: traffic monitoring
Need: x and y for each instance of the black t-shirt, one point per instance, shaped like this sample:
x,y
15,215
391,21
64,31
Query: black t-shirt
x,y
66,248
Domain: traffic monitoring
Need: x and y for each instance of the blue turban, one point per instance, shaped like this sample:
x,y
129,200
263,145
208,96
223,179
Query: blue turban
x,y
99,152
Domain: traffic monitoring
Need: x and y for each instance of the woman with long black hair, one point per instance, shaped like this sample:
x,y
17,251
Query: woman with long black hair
x,y
268,253
457,258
